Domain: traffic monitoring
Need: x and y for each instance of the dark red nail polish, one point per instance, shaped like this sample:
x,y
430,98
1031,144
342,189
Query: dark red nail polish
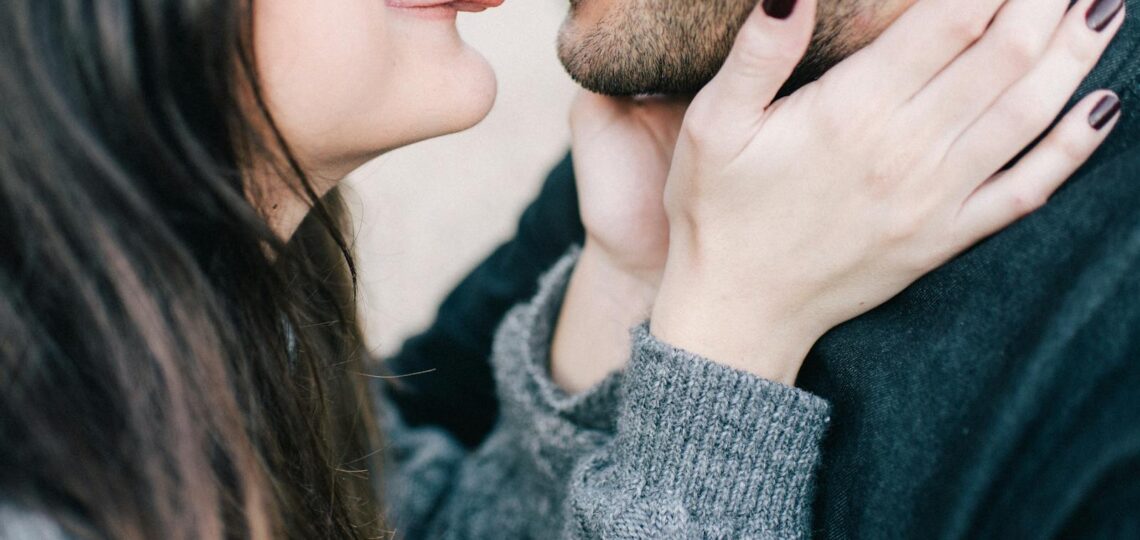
x,y
1102,12
1105,111
779,9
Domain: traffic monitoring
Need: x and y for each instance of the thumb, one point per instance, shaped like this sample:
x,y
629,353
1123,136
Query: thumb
x,y
771,43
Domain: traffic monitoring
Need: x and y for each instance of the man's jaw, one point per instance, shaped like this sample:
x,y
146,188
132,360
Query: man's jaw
x,y
630,47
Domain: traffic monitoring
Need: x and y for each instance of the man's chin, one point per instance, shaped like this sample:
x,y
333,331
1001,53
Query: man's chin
x,y
635,47
597,62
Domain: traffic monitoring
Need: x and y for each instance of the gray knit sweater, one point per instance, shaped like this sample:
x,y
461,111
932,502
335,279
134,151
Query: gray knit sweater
x,y
674,447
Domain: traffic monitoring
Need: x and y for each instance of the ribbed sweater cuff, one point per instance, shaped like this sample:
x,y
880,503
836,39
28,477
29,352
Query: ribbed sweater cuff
x,y
729,443
522,358
555,426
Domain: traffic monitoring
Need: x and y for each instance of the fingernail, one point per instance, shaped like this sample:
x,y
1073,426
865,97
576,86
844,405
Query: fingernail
x,y
1102,13
779,9
1105,111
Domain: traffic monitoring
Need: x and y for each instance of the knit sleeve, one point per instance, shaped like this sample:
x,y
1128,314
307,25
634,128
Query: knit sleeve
x,y
513,485
701,450
677,446
23,524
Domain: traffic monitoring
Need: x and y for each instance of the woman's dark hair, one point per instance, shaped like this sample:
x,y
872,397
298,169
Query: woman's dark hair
x,y
169,368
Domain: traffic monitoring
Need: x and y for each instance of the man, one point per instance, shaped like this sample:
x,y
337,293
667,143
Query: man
x,y
999,396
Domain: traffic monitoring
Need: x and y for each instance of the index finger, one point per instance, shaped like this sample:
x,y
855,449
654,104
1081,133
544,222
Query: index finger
x,y
769,46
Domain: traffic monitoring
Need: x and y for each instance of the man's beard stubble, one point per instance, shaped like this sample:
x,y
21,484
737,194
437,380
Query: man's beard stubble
x,y
677,46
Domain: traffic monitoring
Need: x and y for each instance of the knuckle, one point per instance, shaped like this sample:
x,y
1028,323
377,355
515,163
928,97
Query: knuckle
x,y
884,178
1082,49
755,51
1024,203
751,47
750,36
968,26
1020,51
1072,145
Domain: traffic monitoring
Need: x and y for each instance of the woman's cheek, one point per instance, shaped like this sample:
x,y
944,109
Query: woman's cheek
x,y
318,63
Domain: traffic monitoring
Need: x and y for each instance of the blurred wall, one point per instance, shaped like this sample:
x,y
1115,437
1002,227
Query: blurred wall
x,y
426,214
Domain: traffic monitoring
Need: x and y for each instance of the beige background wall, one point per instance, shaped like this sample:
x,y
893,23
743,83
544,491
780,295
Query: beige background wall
x,y
426,214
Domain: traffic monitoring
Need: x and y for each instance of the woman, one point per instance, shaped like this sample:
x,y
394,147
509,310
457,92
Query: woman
x,y
178,349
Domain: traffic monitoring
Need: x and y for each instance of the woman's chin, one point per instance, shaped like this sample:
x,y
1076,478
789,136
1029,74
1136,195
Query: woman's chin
x,y
440,99
460,100
451,112
478,99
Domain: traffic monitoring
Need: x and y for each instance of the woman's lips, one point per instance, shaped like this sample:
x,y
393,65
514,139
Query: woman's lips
x,y
471,6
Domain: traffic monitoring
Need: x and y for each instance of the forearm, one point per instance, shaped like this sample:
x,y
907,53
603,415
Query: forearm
x,y
769,337
602,304
701,450
643,446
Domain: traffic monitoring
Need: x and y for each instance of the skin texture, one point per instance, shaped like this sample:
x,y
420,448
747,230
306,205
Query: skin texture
x,y
632,47
637,47
751,279
347,81
621,158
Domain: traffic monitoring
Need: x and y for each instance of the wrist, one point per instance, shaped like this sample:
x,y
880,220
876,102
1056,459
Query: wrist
x,y
603,302
628,286
763,332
